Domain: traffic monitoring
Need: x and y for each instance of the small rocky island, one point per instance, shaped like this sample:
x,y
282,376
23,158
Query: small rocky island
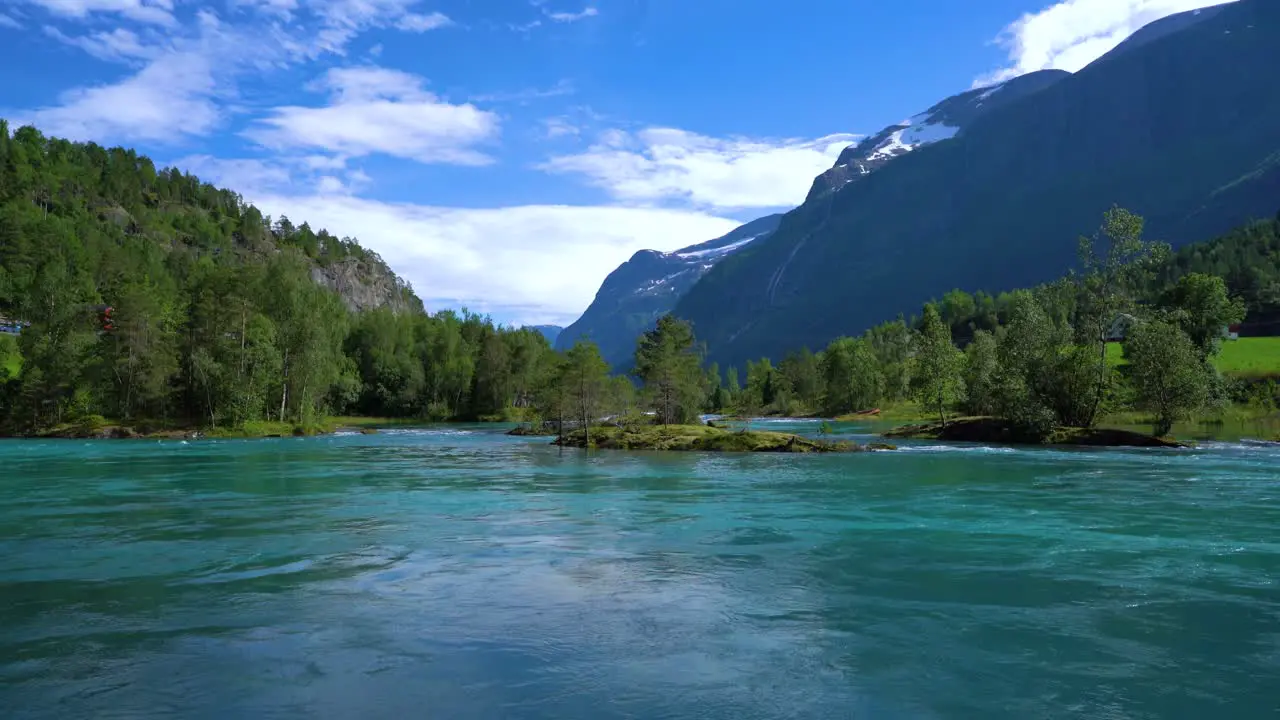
x,y
997,431
703,438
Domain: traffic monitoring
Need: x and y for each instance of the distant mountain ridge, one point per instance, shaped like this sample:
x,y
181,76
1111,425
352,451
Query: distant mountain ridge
x,y
649,285
1178,124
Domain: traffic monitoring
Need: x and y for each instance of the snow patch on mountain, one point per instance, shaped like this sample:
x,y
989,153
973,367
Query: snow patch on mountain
x,y
717,251
913,133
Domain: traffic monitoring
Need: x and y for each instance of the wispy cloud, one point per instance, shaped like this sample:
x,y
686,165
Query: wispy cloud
x,y
663,165
8,22
158,12
179,92
379,111
116,45
1073,33
568,17
291,174
414,22
559,127
560,89
280,8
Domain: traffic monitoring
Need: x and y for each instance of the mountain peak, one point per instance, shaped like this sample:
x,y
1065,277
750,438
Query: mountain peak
x,y
648,286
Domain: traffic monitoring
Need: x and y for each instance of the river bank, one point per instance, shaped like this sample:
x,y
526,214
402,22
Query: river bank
x,y
99,428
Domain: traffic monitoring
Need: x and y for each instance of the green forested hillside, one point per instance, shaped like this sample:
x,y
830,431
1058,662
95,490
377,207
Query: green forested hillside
x,y
216,317
1248,258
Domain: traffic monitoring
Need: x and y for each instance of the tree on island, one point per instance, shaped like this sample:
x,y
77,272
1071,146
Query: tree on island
x,y
578,387
669,364
1116,263
939,364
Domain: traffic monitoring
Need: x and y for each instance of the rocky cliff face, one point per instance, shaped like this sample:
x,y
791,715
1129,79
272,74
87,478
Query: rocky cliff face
x,y
366,285
648,286
1177,124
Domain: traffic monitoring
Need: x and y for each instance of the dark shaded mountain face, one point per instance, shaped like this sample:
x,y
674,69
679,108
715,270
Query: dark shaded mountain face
x,y
940,122
647,286
1181,128
550,332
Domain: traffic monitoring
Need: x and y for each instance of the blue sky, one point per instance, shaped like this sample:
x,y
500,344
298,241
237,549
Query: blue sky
x,y
506,155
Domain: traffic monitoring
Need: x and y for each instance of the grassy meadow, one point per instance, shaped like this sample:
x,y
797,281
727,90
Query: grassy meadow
x,y
1253,357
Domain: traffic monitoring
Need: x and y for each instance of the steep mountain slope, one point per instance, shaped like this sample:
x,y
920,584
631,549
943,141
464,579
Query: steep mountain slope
x,y
940,122
647,286
1180,127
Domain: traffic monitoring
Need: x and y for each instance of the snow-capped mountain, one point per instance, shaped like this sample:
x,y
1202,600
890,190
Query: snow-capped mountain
x,y
939,123
647,286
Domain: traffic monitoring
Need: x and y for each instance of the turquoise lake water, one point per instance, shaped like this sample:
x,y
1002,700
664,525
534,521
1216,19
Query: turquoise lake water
x,y
454,572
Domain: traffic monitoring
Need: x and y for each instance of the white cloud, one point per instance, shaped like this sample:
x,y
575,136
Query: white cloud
x,y
663,164
559,127
8,22
376,110
245,176
1073,33
158,12
568,17
281,8
560,89
169,98
533,264
119,44
421,23
176,93
252,177
342,20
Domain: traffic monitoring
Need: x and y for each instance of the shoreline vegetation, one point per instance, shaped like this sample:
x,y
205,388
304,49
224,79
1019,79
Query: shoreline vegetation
x,y
705,438
99,428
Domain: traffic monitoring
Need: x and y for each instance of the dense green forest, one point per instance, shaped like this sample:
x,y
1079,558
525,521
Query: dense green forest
x,y
216,319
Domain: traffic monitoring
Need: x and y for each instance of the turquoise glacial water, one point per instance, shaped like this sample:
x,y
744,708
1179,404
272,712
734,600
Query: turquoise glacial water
x,y
454,572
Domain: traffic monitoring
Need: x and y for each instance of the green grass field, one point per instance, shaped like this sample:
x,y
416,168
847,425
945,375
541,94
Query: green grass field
x,y
9,358
1246,357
